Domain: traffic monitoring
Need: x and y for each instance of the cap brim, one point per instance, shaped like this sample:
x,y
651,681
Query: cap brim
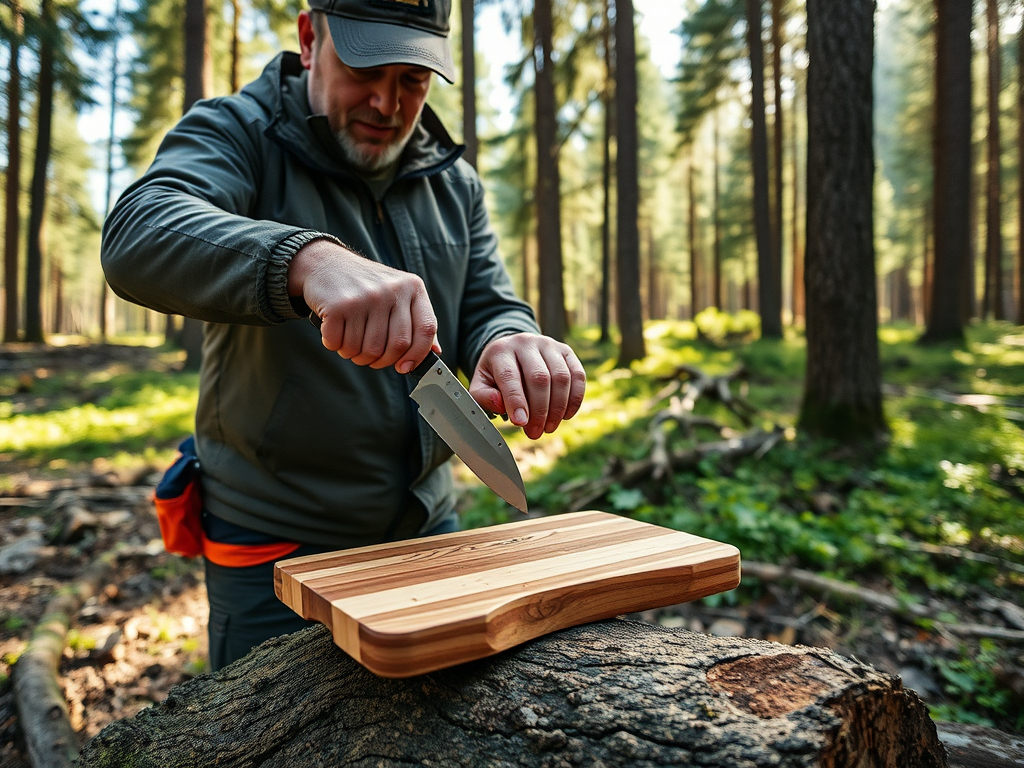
x,y
362,44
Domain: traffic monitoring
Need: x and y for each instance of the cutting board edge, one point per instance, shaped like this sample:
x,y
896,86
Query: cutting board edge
x,y
383,653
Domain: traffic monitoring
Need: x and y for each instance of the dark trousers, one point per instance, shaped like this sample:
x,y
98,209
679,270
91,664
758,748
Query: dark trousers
x,y
244,611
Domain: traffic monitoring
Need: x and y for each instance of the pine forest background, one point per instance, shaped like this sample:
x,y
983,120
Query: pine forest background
x,y
695,243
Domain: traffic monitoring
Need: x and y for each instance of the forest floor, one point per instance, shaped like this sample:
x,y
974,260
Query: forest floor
x,y
146,631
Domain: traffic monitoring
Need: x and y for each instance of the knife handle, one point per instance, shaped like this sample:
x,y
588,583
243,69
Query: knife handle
x,y
423,368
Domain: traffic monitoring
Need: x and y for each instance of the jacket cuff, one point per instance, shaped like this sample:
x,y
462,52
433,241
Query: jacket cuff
x,y
282,306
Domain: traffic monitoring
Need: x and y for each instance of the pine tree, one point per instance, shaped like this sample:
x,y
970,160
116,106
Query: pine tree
x,y
627,184
58,29
843,389
12,199
952,163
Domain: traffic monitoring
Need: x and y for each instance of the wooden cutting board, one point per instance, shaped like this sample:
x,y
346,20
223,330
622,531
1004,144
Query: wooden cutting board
x,y
411,607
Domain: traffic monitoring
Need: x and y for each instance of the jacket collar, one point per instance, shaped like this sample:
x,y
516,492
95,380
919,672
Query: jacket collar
x,y
282,87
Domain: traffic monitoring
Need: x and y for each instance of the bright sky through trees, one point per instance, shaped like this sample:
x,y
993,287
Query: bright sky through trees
x,y
658,21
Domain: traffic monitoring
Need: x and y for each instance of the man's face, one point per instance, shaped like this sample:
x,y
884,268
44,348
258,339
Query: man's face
x,y
371,111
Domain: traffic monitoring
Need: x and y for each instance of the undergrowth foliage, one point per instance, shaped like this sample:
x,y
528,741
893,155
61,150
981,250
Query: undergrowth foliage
x,y
952,475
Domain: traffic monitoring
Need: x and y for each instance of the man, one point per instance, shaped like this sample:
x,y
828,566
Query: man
x,y
328,186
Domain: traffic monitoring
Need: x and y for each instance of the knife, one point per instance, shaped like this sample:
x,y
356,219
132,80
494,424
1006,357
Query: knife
x,y
448,407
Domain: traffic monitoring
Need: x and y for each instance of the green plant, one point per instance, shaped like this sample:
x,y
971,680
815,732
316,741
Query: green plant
x,y
76,641
975,694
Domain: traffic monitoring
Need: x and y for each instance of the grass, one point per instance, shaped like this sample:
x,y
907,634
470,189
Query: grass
x,y
950,474
73,417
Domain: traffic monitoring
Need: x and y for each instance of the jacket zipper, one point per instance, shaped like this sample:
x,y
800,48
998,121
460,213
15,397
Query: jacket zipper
x,y
412,473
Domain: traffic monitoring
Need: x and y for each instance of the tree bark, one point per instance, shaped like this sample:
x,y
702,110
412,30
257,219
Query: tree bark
x,y
695,272
928,266
952,161
627,188
614,693
551,292
236,56
469,81
768,281
992,298
12,212
606,177
798,254
198,85
548,197
778,134
1020,176
842,389
37,204
716,200
106,314
653,294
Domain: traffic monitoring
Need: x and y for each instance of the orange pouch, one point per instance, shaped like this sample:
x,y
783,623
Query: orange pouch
x,y
179,504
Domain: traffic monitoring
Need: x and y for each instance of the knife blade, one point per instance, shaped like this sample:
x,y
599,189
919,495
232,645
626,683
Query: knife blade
x,y
448,407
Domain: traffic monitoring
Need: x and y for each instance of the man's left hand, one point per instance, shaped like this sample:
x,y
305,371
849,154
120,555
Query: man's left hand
x,y
534,379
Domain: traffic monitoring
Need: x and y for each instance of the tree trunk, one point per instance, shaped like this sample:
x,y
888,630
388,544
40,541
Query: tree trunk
x,y
106,295
614,693
842,390
37,204
469,81
12,213
695,271
716,199
236,56
198,85
1020,176
549,217
606,178
798,254
928,267
627,187
778,135
768,282
653,298
992,300
57,279
952,161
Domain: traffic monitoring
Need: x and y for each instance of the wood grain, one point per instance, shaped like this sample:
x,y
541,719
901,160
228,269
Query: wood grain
x,y
411,607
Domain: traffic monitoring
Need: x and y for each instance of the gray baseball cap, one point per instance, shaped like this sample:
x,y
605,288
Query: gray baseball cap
x,y
375,33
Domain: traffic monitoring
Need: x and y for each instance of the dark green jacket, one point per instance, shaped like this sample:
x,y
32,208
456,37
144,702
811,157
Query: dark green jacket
x,y
294,440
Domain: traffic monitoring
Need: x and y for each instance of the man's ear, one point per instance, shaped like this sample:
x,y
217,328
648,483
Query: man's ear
x,y
307,37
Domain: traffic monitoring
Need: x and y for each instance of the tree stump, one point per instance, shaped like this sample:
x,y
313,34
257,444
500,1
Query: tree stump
x,y
612,693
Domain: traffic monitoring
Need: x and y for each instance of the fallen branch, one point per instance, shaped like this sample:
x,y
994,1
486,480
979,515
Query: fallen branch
x,y
947,551
980,403
42,708
693,383
756,442
824,585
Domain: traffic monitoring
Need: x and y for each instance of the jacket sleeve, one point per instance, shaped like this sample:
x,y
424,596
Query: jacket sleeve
x,y
490,308
179,239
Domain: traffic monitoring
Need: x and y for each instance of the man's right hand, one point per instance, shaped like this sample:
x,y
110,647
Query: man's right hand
x,y
371,314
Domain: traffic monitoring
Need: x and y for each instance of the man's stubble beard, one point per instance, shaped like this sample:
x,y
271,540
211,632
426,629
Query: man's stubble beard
x,y
364,156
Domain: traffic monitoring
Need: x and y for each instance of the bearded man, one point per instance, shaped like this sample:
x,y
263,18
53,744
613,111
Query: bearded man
x,y
328,188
